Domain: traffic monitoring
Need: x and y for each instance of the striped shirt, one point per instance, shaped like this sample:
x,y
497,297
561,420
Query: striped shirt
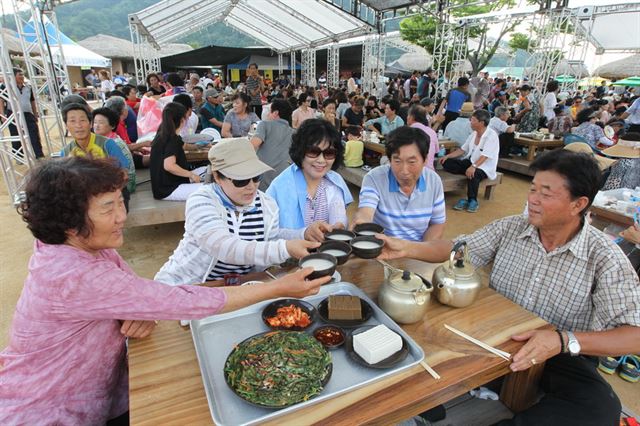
x,y
402,216
316,208
248,226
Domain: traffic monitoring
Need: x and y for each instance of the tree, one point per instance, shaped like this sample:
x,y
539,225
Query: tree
x,y
522,41
421,30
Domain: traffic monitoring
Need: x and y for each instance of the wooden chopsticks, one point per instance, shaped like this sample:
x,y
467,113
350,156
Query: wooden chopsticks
x,y
495,351
430,370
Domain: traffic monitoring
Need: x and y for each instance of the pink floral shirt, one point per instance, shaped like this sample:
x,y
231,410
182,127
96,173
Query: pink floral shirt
x,y
66,359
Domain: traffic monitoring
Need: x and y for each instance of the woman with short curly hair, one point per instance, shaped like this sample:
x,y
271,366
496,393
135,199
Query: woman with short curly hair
x,y
66,358
321,195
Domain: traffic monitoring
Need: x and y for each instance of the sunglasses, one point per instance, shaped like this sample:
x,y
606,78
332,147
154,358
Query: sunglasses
x,y
241,183
328,154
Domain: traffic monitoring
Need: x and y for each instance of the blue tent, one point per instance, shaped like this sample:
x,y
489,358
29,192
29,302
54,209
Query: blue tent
x,y
74,54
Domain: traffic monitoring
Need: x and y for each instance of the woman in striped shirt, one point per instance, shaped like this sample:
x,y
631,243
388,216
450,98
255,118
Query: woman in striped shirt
x,y
321,195
230,226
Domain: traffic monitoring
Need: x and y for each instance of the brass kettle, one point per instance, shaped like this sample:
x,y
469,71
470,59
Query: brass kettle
x,y
457,283
404,296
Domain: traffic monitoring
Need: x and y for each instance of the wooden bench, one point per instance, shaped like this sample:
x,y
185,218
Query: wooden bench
x,y
450,182
146,210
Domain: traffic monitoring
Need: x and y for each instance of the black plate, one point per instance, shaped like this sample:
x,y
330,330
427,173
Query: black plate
x,y
271,309
385,363
324,382
365,308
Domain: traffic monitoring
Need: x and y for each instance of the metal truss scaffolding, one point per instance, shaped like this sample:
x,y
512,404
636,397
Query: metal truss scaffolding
x,y
333,65
14,163
449,52
561,35
146,52
47,72
373,61
293,67
308,72
280,64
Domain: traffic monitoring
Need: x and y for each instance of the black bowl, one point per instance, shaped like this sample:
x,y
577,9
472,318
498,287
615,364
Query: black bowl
x,y
336,245
333,328
272,308
337,233
365,308
388,362
367,253
319,273
368,227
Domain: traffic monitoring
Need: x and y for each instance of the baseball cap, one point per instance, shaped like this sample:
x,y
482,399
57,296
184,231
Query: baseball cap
x,y
211,93
236,159
502,93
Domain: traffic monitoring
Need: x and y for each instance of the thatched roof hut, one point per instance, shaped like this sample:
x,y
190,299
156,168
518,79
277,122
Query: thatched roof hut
x,y
622,68
118,48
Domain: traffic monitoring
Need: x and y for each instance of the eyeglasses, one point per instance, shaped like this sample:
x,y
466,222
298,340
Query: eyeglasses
x,y
241,183
315,151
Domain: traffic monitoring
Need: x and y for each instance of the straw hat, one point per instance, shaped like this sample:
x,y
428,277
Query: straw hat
x,y
624,149
236,159
603,162
467,109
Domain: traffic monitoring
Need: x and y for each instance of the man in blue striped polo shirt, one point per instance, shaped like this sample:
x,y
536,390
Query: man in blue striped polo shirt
x,y
404,196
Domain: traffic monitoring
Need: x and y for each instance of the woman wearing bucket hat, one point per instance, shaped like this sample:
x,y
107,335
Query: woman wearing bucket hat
x,y
626,172
230,226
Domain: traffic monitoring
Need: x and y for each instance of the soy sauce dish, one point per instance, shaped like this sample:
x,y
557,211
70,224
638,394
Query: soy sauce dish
x,y
330,336
367,247
323,264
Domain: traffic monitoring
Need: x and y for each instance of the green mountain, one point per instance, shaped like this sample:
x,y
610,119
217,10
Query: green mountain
x,y
86,18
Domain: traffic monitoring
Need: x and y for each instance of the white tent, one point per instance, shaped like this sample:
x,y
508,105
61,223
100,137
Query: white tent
x,y
283,25
74,54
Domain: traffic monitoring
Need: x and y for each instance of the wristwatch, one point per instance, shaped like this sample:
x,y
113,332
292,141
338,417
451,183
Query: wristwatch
x,y
573,345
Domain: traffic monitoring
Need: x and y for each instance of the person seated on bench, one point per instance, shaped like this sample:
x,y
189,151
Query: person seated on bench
x,y
460,128
388,122
77,118
171,178
354,147
480,159
504,131
404,196
311,196
105,122
230,226
417,118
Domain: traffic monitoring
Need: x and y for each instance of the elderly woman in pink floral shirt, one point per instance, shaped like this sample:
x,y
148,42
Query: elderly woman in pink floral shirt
x,y
66,359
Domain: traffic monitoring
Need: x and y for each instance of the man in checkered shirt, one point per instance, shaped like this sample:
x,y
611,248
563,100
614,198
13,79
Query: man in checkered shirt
x,y
555,264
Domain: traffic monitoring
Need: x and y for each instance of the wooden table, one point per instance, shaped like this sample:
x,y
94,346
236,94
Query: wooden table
x,y
611,216
534,144
197,155
166,387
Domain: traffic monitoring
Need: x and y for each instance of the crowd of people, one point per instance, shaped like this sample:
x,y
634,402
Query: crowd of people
x,y
275,191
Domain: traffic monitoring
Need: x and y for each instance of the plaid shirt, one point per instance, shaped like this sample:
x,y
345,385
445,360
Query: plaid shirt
x,y
586,285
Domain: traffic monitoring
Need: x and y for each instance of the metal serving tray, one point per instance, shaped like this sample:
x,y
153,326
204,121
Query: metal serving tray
x,y
215,337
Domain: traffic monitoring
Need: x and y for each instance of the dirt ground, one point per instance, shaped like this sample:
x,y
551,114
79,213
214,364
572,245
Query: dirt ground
x,y
147,248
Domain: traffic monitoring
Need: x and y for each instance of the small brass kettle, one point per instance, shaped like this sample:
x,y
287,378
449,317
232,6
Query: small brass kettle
x,y
404,296
457,283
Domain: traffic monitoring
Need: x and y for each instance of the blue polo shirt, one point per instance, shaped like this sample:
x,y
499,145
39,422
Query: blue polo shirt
x,y
455,99
402,216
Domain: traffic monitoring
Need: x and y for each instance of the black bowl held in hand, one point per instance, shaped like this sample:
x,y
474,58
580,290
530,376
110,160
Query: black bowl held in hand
x,y
339,235
323,264
367,247
339,249
368,229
